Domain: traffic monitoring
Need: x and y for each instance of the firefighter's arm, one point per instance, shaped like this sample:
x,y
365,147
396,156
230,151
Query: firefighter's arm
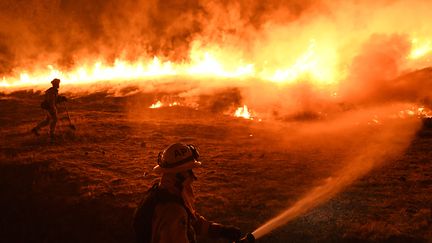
x,y
51,98
214,230
202,226
170,224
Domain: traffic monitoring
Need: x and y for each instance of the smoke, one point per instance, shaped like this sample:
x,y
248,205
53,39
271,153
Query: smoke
x,y
355,50
373,69
63,32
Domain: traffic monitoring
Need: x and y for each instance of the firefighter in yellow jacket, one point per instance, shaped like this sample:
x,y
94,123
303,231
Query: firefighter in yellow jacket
x,y
171,216
49,104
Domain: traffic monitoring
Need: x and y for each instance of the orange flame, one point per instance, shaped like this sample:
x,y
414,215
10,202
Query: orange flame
x,y
159,104
313,46
243,112
420,48
316,63
420,112
204,62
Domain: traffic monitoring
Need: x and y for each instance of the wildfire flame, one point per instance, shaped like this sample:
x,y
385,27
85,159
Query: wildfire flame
x,y
420,112
203,63
317,66
420,48
325,44
243,112
159,104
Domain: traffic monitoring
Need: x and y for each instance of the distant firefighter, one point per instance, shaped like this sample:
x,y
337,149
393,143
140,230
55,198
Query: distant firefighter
x,y
49,104
167,213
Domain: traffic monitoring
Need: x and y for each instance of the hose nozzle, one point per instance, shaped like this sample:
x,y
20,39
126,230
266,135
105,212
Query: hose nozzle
x,y
248,238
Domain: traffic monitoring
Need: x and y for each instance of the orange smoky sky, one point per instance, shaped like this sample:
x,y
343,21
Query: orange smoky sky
x,y
63,31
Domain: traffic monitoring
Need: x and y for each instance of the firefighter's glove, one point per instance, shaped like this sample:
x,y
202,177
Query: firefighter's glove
x,y
229,232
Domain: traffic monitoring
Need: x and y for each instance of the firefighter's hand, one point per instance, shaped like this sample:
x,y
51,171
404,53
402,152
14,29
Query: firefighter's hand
x,y
229,232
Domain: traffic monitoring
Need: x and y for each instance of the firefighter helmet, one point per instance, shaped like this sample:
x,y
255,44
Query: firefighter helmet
x,y
176,158
55,82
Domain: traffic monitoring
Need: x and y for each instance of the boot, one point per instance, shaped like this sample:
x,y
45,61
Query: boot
x,y
35,131
52,138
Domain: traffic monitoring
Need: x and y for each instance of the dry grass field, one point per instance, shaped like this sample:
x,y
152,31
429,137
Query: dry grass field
x,y
85,186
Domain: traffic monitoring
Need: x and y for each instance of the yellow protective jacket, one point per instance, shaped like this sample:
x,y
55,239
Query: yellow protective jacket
x,y
173,222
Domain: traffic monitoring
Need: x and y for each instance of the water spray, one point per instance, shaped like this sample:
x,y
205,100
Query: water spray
x,y
370,156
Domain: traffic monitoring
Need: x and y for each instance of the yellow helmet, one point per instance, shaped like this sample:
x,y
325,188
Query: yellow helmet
x,y
176,158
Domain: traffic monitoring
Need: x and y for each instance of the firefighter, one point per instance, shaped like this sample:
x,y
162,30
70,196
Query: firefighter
x,y
167,212
49,104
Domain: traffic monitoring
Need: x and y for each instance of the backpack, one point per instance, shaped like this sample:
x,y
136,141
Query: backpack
x,y
143,215
44,105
